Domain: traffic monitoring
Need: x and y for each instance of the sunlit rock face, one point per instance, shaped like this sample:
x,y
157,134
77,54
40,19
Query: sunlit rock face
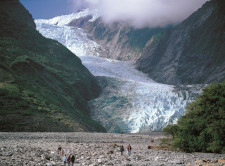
x,y
130,101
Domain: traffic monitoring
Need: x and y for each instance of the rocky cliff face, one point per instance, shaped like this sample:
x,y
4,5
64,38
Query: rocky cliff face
x,y
191,52
43,86
118,40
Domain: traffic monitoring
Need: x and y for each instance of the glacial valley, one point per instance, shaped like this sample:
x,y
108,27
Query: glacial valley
x,y
130,101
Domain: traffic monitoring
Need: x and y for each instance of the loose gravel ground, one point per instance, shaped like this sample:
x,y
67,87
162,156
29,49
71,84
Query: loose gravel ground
x,y
90,149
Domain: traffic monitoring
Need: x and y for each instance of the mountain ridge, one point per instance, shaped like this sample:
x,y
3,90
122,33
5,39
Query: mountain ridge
x,y
188,53
191,52
43,86
119,40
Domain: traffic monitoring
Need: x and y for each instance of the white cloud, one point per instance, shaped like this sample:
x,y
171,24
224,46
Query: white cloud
x,y
78,4
141,13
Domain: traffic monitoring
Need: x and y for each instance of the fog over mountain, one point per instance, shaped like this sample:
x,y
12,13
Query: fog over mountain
x,y
78,4
143,13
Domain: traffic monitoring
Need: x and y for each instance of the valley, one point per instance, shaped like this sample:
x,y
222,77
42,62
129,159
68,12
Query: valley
x,y
130,101
90,86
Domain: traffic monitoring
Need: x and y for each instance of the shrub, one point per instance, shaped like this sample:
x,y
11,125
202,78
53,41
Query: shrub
x,y
202,127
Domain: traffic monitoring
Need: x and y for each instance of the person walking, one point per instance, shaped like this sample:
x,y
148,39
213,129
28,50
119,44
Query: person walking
x,y
129,149
73,160
121,149
69,160
62,152
64,160
59,150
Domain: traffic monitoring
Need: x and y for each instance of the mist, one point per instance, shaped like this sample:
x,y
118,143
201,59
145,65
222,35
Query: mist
x,y
144,13
79,4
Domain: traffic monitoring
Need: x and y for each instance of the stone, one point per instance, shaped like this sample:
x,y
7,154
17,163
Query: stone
x,y
221,161
178,162
9,154
99,161
53,163
91,156
101,156
199,162
110,152
214,161
210,164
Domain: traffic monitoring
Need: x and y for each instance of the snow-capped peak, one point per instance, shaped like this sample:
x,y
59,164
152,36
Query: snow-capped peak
x,y
66,19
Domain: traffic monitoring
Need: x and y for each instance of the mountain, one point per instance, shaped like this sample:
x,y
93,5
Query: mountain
x,y
130,101
43,85
192,52
119,40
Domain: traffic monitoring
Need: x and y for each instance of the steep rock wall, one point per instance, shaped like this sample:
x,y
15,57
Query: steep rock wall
x,y
192,52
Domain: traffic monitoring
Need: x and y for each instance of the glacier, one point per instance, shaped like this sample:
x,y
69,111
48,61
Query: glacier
x,y
130,102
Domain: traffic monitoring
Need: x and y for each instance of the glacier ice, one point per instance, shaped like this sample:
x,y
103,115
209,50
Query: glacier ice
x,y
66,19
131,102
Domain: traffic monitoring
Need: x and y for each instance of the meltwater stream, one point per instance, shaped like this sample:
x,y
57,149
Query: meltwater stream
x,y
130,101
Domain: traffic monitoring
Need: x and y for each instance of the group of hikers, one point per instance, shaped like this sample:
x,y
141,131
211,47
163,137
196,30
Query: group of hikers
x,y
128,149
70,159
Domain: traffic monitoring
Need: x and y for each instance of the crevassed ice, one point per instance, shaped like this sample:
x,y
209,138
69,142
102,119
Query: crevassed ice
x,y
151,105
73,38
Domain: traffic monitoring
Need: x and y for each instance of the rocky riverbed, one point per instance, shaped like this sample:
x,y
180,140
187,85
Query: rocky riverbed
x,y
92,149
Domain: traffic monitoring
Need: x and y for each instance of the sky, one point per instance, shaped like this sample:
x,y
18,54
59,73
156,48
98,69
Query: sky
x,y
138,13
46,9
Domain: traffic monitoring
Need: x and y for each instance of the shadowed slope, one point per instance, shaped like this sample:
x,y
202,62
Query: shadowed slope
x,y
43,86
190,53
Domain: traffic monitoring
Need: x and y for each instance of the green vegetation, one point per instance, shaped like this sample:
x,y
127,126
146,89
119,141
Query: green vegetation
x,y
137,38
43,86
201,129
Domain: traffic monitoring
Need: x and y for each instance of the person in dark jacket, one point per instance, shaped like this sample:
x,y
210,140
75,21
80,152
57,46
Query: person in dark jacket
x,y
69,160
121,149
59,150
73,160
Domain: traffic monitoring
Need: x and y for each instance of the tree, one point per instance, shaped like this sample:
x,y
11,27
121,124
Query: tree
x,y
202,128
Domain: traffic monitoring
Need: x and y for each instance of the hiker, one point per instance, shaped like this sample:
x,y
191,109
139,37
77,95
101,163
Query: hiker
x,y
129,149
69,160
121,149
62,152
64,160
59,150
73,160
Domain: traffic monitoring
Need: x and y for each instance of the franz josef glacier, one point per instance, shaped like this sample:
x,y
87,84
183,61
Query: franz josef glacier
x,y
130,101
